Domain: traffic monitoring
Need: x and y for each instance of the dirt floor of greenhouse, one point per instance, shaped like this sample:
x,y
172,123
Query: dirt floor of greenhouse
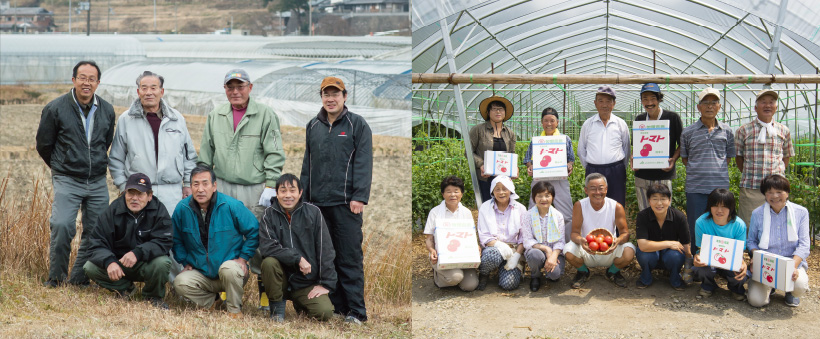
x,y
601,310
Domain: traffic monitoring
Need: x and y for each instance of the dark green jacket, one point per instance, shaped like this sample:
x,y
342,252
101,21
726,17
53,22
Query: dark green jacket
x,y
148,234
305,235
62,143
338,163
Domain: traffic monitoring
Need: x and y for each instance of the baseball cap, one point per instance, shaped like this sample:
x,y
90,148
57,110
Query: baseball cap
x,y
332,81
238,74
606,90
766,92
708,91
650,87
139,182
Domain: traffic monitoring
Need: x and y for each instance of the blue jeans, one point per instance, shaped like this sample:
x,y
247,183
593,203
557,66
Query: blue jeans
x,y
695,207
668,259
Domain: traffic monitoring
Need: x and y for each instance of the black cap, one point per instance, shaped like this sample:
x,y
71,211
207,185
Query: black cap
x,y
139,182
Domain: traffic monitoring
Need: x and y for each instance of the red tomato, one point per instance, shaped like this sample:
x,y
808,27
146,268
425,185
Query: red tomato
x,y
590,238
599,238
593,245
608,240
603,246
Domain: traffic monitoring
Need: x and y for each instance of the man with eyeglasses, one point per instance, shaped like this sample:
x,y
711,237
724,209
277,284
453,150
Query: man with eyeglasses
x,y
594,212
243,144
764,147
336,174
75,132
706,149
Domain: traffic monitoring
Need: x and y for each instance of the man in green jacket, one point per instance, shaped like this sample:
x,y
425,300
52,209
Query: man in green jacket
x,y
243,144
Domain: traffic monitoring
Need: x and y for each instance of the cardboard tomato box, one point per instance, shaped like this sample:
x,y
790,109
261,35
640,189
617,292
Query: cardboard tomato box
x,y
773,270
549,157
457,244
720,252
498,163
650,144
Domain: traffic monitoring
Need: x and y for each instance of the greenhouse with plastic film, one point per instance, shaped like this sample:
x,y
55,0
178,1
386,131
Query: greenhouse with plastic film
x,y
540,54
286,71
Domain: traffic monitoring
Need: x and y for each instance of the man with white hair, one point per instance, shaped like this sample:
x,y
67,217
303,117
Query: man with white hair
x,y
764,147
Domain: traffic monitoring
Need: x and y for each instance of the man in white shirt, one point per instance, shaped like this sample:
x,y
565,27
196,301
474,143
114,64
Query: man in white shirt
x,y
603,146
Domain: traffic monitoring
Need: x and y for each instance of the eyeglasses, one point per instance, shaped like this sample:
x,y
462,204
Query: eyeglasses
x,y
82,78
710,103
236,88
497,109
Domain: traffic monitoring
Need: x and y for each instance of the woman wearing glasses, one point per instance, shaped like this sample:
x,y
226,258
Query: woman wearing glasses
x,y
491,136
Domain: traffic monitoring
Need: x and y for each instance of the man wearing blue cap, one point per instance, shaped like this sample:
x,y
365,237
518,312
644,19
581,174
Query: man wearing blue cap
x,y
603,145
651,97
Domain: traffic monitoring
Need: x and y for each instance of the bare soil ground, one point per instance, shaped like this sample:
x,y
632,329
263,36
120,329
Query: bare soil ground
x,y
601,310
27,309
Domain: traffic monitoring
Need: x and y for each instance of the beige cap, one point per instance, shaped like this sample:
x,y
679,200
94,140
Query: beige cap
x,y
708,91
766,92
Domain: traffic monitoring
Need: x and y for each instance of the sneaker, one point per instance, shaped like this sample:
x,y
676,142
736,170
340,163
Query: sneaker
x,y
124,294
791,300
705,293
738,296
158,303
535,284
616,278
277,311
640,284
580,278
682,287
482,282
352,320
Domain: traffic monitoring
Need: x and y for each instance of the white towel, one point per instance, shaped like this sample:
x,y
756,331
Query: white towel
x,y
791,225
761,138
486,213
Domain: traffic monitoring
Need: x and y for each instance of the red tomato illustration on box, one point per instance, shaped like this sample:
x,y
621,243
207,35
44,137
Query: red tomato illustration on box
x,y
720,258
645,150
546,161
503,170
768,276
453,246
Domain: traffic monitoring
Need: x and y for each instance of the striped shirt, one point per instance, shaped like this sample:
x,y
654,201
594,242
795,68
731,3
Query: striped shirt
x,y
707,154
778,234
760,160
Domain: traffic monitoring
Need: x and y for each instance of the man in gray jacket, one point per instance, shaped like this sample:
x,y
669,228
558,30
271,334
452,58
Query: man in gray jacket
x,y
152,138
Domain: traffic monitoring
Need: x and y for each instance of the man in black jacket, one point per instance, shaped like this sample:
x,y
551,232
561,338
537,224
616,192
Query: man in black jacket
x,y
336,173
75,132
298,253
131,243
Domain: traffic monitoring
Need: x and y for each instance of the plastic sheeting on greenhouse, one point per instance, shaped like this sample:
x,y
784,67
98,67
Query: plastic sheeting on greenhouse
x,y
290,87
46,59
614,37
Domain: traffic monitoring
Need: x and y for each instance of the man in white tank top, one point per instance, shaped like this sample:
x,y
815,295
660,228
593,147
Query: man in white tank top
x,y
598,211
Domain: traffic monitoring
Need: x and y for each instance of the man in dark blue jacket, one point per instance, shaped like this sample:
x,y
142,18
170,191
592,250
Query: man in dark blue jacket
x,y
336,174
131,243
298,253
214,237
75,132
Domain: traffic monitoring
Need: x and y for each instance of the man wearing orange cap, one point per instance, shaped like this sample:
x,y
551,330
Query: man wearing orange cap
x,y
336,174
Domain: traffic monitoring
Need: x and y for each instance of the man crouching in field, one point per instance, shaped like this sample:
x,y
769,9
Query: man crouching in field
x,y
298,253
131,243
214,237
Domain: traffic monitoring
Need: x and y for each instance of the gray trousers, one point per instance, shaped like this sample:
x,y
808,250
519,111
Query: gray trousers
x,y
536,260
70,196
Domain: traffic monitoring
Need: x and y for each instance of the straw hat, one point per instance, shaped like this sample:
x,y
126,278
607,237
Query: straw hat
x,y
508,107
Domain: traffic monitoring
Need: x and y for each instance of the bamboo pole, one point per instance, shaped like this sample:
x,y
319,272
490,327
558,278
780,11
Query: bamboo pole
x,y
464,78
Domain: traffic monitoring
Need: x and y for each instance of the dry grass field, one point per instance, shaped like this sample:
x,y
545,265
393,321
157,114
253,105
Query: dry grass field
x,y
29,310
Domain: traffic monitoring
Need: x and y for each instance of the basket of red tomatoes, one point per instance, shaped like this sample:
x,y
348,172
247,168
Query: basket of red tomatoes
x,y
600,241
